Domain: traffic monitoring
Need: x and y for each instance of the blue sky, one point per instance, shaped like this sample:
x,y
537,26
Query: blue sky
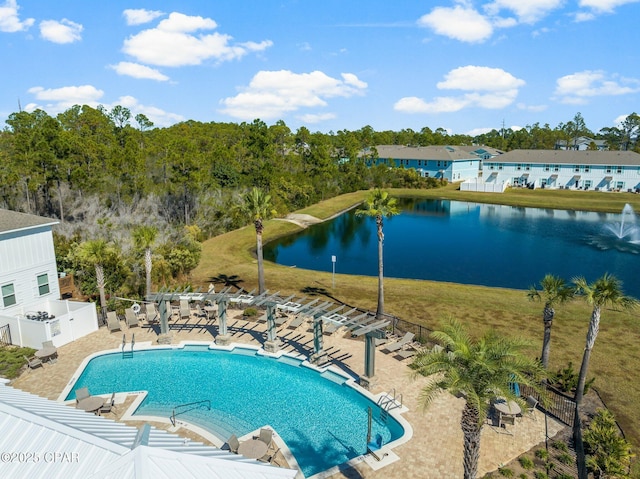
x,y
466,66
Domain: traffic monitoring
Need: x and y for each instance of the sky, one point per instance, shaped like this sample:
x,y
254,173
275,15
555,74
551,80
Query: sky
x,y
328,65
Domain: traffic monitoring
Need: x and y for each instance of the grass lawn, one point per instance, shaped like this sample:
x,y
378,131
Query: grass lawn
x,y
615,358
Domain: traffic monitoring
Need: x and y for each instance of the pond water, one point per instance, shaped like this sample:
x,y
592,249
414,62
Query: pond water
x,y
472,243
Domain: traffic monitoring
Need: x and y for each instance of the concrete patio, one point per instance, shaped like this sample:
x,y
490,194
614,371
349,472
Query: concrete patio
x,y
435,451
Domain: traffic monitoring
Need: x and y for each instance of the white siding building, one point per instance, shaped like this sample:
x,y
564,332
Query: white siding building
x,y
30,307
567,169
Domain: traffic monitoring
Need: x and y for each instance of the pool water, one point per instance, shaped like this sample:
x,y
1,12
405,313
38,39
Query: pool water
x,y
322,420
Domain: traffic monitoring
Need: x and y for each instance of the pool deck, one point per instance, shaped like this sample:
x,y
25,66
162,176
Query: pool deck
x,y
434,451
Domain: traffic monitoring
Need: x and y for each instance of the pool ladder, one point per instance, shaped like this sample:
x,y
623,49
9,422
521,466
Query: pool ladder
x,y
128,354
191,406
389,402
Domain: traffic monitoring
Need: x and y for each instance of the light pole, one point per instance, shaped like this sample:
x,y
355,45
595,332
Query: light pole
x,y
333,275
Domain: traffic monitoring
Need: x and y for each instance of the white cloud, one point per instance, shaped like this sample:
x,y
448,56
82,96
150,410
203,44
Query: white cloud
x,y
271,94
490,88
63,31
136,70
460,23
578,88
57,100
316,118
534,108
9,19
604,5
474,78
138,16
173,43
527,11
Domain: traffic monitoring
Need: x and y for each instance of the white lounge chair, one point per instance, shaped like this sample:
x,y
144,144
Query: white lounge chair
x,y
113,323
33,362
108,406
393,347
152,313
185,312
131,318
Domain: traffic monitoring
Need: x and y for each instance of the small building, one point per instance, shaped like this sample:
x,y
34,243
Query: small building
x,y
31,310
451,163
582,143
566,169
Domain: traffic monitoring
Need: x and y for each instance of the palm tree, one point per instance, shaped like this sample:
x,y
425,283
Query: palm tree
x,y
605,291
96,253
256,206
143,238
554,291
478,370
379,205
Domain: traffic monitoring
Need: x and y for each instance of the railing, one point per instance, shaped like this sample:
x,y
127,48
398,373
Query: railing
x,y
557,404
191,406
5,335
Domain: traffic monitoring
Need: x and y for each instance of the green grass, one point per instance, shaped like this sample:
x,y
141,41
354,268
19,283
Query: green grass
x,y
506,311
12,360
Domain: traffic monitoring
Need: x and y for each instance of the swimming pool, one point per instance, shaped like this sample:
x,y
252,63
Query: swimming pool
x,y
321,418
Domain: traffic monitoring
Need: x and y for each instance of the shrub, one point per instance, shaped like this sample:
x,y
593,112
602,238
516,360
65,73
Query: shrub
x,y
541,475
565,458
523,476
564,475
560,446
250,312
542,454
526,463
566,379
609,454
505,471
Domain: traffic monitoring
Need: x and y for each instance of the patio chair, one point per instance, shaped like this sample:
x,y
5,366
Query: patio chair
x,y
131,318
407,353
108,406
82,393
233,444
185,312
269,456
393,347
113,323
532,403
266,436
296,322
504,419
152,314
33,362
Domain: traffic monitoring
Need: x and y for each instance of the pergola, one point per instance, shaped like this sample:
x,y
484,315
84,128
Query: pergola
x,y
327,317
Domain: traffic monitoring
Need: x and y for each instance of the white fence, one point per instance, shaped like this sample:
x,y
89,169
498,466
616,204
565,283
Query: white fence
x,y
476,184
71,320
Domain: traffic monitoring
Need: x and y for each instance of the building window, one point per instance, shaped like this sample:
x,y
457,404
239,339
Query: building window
x,y
587,168
556,167
500,166
576,168
8,295
618,169
419,162
546,168
527,167
491,166
620,185
518,167
608,169
43,284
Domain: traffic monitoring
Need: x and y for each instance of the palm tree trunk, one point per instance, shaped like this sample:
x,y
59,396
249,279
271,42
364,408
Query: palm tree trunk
x,y
471,429
547,318
148,264
380,310
261,287
594,326
100,284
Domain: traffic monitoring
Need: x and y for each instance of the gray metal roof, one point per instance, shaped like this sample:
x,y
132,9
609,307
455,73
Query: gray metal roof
x,y
34,425
448,153
572,157
14,221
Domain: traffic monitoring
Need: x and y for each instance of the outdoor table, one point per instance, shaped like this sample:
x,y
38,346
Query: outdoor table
x,y
510,408
90,404
253,448
45,354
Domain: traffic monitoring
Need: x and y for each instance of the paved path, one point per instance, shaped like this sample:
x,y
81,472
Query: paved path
x,y
435,451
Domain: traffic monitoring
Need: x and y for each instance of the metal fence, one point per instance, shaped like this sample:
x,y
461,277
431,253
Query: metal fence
x,y
555,403
5,335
